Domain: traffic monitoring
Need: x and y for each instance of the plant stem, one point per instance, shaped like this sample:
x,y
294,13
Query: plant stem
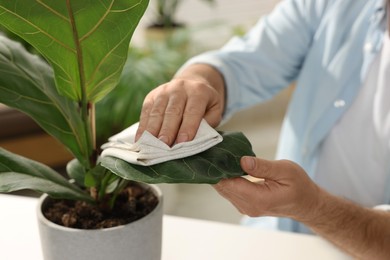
x,y
85,106
103,185
122,184
92,118
92,131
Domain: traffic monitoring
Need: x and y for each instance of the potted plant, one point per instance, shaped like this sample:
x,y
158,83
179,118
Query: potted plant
x,y
164,21
84,45
165,13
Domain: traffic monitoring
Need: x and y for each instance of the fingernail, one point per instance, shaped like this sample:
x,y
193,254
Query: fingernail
x,y
164,139
181,138
249,162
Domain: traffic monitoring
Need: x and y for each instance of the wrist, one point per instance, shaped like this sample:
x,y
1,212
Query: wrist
x,y
315,212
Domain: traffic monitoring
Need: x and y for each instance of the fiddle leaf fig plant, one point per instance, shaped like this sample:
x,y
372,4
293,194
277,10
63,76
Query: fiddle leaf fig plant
x,y
84,45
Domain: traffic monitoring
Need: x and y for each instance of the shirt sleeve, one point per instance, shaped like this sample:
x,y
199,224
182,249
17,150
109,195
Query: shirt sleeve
x,y
264,61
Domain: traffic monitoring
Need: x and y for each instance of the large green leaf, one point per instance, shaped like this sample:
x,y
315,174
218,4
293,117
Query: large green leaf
x,y
85,41
17,173
27,83
219,162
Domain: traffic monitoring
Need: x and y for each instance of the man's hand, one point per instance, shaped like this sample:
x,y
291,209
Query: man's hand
x,y
285,190
173,111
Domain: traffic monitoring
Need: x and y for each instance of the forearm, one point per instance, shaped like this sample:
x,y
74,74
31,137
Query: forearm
x,y
362,232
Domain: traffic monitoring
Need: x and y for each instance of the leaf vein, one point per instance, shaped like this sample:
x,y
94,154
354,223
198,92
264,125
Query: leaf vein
x,y
93,29
38,29
53,11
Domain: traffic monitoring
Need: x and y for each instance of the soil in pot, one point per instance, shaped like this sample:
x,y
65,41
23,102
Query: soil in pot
x,y
133,203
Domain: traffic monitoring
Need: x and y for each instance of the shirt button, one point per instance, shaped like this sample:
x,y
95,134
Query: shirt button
x,y
339,103
368,47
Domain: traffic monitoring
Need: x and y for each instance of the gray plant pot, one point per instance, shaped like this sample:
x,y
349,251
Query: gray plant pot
x,y
138,240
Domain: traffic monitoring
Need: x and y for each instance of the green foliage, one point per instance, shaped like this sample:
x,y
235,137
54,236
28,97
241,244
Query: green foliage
x,y
27,83
85,41
86,44
17,172
85,47
219,162
166,11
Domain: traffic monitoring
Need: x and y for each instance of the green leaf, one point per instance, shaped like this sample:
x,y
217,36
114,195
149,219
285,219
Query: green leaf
x,y
86,41
17,173
96,176
89,180
219,162
76,172
113,184
27,84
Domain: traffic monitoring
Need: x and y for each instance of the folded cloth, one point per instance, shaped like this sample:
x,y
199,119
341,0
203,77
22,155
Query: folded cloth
x,y
149,150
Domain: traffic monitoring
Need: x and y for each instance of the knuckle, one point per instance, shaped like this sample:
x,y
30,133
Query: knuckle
x,y
156,112
173,111
194,109
146,106
265,167
200,90
179,81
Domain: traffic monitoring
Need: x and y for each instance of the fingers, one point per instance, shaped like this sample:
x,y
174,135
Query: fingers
x,y
161,113
152,114
173,111
193,114
286,190
249,198
266,169
170,118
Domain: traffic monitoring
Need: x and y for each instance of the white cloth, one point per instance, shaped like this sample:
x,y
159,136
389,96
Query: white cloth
x,y
149,150
355,156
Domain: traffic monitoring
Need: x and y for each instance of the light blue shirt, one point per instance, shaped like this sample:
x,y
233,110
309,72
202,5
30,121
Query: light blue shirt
x,y
326,46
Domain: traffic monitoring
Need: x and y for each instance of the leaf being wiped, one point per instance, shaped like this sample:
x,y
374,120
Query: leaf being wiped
x,y
219,162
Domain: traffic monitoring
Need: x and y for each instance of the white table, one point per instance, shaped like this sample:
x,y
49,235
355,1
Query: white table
x,y
183,238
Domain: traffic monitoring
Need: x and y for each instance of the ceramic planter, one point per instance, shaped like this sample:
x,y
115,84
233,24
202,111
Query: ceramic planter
x,y
141,239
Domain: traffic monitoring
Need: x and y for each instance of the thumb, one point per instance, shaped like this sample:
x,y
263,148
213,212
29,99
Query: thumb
x,y
259,168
